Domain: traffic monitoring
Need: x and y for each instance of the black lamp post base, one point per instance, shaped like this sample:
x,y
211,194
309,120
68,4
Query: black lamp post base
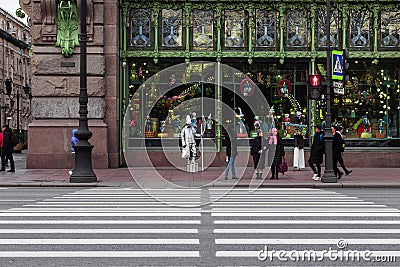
x,y
329,177
83,171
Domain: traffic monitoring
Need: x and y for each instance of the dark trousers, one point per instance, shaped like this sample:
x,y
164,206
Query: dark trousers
x,y
7,157
336,156
274,169
316,170
341,162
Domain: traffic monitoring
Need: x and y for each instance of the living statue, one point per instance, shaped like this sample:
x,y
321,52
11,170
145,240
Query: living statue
x,y
188,141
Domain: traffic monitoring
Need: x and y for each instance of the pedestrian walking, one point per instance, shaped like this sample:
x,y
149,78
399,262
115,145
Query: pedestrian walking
x,y
258,151
276,152
337,145
2,155
8,148
340,159
316,153
231,152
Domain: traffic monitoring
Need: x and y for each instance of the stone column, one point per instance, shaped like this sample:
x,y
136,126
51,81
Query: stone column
x,y
55,87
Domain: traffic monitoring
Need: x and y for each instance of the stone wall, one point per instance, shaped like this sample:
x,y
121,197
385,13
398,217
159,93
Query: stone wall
x,y
56,86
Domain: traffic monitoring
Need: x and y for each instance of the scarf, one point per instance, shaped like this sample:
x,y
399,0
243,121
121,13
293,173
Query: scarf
x,y
273,140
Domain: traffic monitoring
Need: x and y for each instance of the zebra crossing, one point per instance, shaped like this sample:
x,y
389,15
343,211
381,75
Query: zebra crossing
x,y
97,223
276,223
173,227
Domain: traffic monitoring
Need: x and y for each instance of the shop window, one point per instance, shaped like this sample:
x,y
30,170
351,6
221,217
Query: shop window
x,y
389,37
297,28
266,29
140,34
172,28
234,22
360,29
203,29
322,35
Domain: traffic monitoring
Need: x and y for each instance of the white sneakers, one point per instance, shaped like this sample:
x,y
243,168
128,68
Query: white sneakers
x,y
316,178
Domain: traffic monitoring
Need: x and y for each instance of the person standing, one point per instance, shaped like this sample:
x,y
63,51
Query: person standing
x,y
231,152
3,157
188,141
298,152
340,159
276,154
8,148
316,153
258,150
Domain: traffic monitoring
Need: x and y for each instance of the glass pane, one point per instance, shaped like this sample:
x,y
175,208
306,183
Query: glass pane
x,y
359,29
322,33
297,32
171,28
202,21
140,30
234,28
266,30
390,29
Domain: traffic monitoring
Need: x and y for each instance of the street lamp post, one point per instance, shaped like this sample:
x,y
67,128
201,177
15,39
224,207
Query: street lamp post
x,y
328,176
83,171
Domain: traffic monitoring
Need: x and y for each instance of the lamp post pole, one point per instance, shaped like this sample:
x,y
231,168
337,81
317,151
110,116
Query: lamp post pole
x,y
83,171
328,176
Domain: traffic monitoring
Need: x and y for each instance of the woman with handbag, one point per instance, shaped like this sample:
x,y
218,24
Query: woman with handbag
x,y
277,154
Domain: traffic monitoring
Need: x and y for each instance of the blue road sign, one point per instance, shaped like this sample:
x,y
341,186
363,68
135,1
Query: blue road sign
x,y
337,65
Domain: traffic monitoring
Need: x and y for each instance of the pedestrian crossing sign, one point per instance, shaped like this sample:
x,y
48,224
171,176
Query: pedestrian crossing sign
x,y
337,65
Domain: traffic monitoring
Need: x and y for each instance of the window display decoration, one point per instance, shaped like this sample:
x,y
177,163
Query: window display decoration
x,y
390,29
322,37
297,30
359,29
266,28
284,88
202,21
234,28
172,28
140,28
247,87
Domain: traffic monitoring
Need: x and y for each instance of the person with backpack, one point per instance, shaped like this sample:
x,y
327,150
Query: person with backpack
x,y
9,139
316,153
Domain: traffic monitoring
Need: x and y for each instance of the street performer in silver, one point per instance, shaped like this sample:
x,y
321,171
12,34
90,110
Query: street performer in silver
x,y
188,141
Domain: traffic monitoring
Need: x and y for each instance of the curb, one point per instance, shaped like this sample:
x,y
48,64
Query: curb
x,y
216,185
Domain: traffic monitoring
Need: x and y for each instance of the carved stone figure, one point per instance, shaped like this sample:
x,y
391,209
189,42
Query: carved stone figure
x,y
67,27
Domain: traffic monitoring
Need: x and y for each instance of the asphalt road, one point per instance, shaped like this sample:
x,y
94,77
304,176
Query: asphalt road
x,y
129,227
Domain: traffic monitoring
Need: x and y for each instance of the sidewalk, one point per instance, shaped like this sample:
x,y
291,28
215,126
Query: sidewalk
x,y
360,177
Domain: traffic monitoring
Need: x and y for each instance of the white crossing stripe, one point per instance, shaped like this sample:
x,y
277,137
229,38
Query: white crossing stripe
x,y
116,222
319,254
308,214
98,241
306,222
304,241
99,254
99,231
307,231
98,214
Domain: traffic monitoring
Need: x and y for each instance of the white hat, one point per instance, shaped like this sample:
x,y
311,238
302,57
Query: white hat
x,y
188,120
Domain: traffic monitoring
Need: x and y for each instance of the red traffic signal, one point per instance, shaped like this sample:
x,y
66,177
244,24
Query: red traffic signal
x,y
315,81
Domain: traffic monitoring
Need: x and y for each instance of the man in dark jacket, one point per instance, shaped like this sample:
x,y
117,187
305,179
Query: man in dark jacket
x,y
316,153
336,150
8,148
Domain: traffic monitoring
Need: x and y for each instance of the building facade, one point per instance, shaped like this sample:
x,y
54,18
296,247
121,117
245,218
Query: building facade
x,y
16,73
276,44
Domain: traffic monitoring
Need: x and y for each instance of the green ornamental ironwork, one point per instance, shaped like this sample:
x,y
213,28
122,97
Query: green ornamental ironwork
x,y
67,26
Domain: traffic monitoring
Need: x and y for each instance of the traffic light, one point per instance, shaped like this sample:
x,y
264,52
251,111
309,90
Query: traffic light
x,y
8,83
315,85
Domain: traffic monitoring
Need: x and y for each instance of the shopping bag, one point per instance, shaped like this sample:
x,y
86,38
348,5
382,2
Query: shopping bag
x,y
283,167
